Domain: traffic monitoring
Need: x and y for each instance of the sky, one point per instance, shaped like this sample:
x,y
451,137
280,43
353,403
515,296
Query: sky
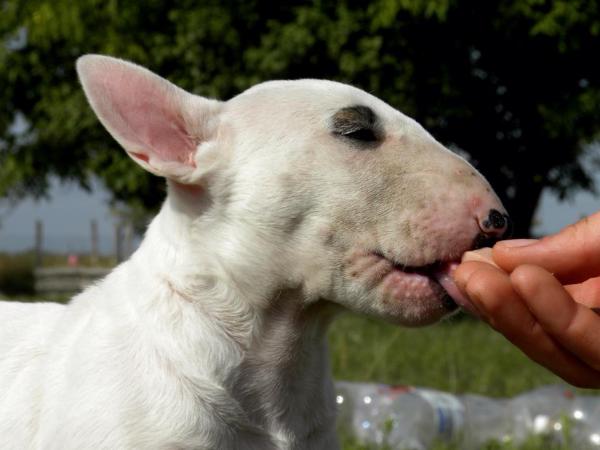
x,y
67,214
66,217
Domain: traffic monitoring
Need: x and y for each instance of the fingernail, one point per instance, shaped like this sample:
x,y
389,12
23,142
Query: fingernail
x,y
516,243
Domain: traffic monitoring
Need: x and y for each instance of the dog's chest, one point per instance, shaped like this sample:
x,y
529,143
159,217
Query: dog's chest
x,y
287,394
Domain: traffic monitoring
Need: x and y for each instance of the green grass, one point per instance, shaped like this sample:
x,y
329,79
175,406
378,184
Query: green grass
x,y
49,259
16,274
533,443
459,355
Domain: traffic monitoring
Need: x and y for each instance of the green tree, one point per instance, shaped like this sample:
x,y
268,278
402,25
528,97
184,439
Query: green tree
x,y
514,84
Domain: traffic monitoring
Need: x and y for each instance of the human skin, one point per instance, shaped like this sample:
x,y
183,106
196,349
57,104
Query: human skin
x,y
540,295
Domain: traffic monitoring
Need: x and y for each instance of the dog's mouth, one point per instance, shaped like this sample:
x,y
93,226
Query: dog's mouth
x,y
429,279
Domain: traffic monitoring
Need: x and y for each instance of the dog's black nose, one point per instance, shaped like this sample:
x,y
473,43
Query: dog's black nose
x,y
494,227
495,224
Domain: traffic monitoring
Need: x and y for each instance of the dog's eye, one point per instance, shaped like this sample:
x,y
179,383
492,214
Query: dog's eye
x,y
362,135
357,124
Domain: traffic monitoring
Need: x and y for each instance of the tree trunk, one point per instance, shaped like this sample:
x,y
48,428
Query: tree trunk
x,y
523,205
520,194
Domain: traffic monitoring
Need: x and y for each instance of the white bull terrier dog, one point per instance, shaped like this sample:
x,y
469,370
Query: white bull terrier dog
x,y
285,204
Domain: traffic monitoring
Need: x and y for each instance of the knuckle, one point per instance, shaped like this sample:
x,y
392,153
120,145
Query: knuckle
x,y
574,330
533,328
531,331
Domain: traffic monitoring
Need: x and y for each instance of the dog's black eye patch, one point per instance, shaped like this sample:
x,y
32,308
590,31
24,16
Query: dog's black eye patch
x,y
357,124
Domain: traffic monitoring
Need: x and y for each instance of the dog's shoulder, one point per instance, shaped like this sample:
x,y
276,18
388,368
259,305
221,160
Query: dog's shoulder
x,y
21,319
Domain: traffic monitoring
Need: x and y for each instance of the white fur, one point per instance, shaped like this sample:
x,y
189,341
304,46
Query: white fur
x,y
212,336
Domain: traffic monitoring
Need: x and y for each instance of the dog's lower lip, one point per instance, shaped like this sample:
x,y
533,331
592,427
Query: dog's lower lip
x,y
437,272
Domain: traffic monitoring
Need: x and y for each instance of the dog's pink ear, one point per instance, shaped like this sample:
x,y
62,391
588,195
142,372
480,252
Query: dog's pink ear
x,y
160,125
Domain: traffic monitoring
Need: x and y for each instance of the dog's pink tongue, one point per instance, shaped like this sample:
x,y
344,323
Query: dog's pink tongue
x,y
444,276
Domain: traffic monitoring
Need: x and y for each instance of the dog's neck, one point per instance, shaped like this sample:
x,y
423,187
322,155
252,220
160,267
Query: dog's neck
x,y
256,340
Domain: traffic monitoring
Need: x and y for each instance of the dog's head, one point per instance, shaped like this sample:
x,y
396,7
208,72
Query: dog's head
x,y
307,184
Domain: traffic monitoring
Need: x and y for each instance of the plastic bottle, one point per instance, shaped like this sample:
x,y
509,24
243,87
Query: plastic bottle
x,y
413,418
584,422
398,416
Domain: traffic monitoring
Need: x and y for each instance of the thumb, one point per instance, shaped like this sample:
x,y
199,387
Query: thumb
x,y
572,255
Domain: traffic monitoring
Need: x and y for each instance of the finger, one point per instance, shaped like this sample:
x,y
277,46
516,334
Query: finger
x,y
461,276
483,255
572,255
491,291
574,326
586,293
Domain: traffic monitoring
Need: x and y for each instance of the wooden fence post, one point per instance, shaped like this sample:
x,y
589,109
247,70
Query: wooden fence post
x,y
94,250
119,242
128,240
39,243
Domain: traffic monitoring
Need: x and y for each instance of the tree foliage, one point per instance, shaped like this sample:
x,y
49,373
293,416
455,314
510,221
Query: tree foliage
x,y
514,84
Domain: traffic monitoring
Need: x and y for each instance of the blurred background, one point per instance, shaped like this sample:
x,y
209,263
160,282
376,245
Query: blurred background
x,y
512,85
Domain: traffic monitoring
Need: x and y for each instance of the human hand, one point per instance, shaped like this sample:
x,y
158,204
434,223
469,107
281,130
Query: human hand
x,y
539,294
